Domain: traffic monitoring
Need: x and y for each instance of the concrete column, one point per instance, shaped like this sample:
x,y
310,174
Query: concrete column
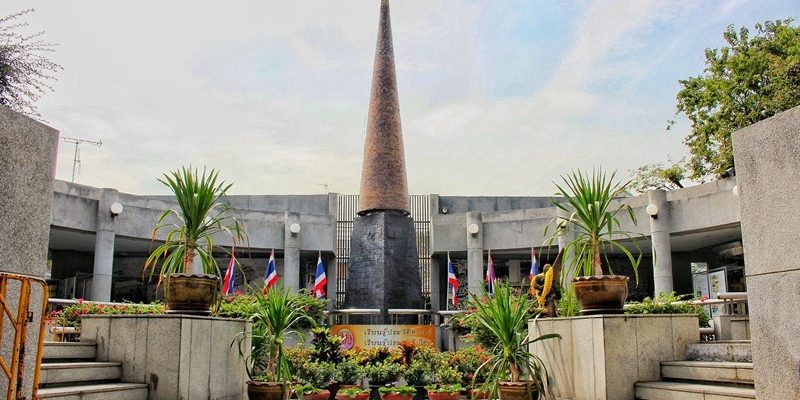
x,y
475,254
513,272
331,272
104,246
662,249
291,252
566,263
436,283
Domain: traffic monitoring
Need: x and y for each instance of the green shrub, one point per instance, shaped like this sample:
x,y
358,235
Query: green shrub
x,y
668,304
419,372
71,315
384,372
348,372
401,390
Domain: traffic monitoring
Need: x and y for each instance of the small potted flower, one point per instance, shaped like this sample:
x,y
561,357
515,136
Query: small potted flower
x,y
352,393
397,392
444,392
349,373
310,392
447,382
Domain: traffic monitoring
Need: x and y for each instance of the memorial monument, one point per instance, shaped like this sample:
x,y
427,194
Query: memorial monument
x,y
383,272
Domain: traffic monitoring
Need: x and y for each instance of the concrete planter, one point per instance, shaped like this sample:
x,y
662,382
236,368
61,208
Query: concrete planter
x,y
602,356
178,356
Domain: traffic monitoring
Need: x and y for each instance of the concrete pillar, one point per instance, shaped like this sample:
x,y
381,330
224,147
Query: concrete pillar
x,y
331,272
564,239
513,272
291,252
662,249
436,283
475,254
104,246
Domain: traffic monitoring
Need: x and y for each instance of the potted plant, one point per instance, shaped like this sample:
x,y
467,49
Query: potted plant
x,y
444,392
352,393
349,373
593,217
401,392
185,261
275,316
514,372
312,392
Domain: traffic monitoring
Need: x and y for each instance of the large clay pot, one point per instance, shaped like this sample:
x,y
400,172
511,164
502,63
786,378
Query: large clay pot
x,y
359,396
601,294
191,293
394,396
526,390
266,390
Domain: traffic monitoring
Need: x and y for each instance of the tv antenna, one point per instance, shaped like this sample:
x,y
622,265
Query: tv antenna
x,y
76,157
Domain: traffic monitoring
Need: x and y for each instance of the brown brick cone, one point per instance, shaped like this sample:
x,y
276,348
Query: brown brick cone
x,y
384,185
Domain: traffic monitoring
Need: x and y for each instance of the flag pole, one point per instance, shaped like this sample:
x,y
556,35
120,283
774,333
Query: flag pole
x,y
448,280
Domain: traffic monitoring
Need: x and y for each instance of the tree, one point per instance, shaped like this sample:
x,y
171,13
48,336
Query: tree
x,y
25,71
658,176
753,78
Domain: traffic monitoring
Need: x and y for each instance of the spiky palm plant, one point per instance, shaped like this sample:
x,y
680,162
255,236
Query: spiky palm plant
x,y
594,218
192,229
506,315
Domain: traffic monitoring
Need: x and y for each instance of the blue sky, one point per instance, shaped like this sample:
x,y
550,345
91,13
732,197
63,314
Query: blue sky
x,y
497,98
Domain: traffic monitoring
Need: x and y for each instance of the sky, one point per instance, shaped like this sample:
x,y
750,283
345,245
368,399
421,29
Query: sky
x,y
497,97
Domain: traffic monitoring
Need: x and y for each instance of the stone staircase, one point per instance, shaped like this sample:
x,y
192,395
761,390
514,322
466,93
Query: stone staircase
x,y
714,370
70,372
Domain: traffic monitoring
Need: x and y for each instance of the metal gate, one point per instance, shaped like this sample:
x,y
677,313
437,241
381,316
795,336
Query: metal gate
x,y
14,369
346,211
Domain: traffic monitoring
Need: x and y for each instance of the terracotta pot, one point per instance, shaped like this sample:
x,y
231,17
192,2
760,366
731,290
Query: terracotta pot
x,y
601,294
443,396
323,395
393,396
191,293
266,390
360,396
478,394
525,390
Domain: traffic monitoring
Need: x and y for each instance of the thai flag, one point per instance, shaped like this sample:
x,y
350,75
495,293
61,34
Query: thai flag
x,y
272,271
452,280
534,264
490,276
321,280
230,275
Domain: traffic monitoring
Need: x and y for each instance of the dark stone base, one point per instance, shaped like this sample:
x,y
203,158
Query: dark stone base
x,y
384,269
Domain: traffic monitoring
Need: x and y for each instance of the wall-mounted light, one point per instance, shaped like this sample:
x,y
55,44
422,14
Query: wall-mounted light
x,y
294,228
652,210
116,209
736,190
473,229
444,210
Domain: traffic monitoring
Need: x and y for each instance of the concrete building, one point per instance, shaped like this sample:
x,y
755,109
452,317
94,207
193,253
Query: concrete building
x,y
96,255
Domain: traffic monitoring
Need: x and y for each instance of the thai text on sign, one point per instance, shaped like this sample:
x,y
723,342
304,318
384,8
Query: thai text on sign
x,y
366,336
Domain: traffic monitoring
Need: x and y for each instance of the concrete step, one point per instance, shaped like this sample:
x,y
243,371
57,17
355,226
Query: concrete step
x,y
708,371
69,351
109,391
724,350
76,372
691,391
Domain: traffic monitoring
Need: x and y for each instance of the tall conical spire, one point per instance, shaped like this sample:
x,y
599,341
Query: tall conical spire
x,y
383,175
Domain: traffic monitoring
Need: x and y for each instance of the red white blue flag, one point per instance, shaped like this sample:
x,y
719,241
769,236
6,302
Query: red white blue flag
x,y
490,278
321,280
230,275
272,271
534,264
452,280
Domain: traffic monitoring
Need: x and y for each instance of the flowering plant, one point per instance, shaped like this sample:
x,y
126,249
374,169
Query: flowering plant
x,y
71,314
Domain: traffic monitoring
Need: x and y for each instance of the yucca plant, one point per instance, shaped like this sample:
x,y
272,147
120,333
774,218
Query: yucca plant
x,y
594,219
506,315
276,315
191,230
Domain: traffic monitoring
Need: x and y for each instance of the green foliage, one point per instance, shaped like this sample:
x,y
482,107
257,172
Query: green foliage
x,y
71,315
419,372
568,305
307,389
506,316
450,389
593,219
191,230
384,372
25,71
349,372
446,374
752,78
467,361
244,305
659,176
668,304
401,390
239,305
315,373
312,307
326,346
276,316
352,392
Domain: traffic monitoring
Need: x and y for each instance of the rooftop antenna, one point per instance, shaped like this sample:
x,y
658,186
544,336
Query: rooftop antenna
x,y
324,186
77,142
